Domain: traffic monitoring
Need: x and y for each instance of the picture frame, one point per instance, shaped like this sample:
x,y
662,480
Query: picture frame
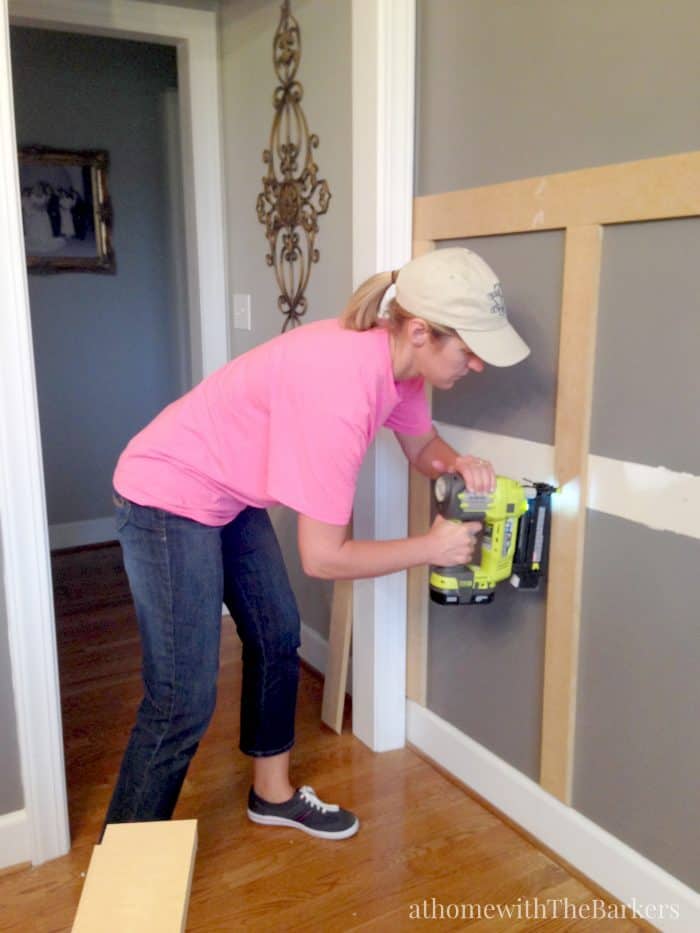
x,y
66,210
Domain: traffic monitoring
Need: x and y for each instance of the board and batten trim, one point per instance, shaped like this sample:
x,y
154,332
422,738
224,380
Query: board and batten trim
x,y
580,202
626,192
616,487
572,429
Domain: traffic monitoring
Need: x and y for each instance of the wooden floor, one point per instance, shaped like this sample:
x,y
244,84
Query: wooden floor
x,y
425,847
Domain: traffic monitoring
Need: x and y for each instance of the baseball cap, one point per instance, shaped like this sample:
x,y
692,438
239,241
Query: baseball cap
x,y
456,288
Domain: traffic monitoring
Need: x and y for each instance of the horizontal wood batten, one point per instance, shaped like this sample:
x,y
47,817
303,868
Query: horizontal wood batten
x,y
628,192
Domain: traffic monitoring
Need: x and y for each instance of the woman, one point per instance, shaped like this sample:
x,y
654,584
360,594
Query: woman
x,y
66,202
38,228
288,422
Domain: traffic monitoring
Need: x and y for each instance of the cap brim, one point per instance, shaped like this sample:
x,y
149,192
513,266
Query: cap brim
x,y
502,347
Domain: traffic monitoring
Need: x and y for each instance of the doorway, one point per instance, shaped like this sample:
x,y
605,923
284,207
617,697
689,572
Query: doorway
x,y
39,831
110,350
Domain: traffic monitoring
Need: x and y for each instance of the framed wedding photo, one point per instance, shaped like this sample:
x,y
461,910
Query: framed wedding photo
x,y
66,210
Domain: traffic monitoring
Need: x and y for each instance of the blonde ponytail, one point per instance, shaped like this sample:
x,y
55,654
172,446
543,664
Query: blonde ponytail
x,y
362,311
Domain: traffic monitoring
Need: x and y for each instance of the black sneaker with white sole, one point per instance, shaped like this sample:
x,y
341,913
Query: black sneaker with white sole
x,y
306,812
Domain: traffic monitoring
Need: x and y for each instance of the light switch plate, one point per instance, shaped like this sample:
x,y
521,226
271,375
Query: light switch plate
x,y
241,312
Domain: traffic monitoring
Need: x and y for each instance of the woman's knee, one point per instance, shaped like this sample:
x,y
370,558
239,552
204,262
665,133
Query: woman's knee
x,y
185,708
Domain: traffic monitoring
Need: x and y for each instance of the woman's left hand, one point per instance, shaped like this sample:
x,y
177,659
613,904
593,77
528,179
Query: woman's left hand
x,y
479,475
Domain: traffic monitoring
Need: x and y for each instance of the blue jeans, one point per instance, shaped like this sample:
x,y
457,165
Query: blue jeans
x,y
180,572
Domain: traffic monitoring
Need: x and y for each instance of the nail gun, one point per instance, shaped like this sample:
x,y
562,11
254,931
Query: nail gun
x,y
514,541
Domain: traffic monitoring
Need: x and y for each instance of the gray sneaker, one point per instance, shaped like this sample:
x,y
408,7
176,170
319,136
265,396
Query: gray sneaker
x,y
306,812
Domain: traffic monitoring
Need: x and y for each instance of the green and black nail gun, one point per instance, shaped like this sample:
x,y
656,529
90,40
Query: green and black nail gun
x,y
514,541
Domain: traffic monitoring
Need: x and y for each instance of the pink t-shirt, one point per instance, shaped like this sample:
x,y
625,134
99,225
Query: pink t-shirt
x,y
288,422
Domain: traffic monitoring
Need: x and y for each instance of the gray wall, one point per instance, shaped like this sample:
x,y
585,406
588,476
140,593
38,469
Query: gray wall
x,y
637,741
514,89
249,79
510,90
647,393
105,351
520,398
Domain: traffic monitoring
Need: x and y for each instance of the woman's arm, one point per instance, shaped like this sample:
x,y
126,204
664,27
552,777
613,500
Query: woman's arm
x,y
431,455
328,553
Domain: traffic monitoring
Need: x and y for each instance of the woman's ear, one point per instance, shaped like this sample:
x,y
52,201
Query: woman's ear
x,y
418,333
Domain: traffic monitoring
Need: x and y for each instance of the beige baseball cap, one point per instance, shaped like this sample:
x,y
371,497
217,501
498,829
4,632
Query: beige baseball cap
x,y
456,288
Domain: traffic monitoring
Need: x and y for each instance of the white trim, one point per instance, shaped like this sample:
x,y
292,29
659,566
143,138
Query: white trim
x,y
510,456
25,545
603,858
78,534
25,550
14,839
383,71
656,497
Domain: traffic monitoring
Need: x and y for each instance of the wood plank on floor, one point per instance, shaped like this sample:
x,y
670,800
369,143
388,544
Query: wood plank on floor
x,y
422,838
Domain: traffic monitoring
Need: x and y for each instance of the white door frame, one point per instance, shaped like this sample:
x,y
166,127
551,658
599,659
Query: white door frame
x,y
383,111
40,831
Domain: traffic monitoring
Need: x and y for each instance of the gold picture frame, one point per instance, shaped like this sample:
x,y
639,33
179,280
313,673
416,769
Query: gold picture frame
x,y
66,210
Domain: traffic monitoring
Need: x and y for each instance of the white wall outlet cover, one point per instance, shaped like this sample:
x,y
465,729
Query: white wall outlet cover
x,y
241,312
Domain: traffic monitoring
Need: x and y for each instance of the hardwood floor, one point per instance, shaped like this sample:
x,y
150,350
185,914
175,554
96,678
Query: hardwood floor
x,y
425,847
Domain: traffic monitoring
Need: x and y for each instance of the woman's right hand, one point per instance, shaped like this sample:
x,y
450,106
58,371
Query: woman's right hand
x,y
451,543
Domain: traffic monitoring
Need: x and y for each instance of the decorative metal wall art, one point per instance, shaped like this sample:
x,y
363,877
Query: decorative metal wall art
x,y
293,196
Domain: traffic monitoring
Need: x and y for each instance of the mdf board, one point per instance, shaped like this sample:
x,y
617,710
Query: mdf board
x,y
628,192
339,638
581,203
139,879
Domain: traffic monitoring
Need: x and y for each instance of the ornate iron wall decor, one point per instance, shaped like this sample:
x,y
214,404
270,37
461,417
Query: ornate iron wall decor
x,y
293,196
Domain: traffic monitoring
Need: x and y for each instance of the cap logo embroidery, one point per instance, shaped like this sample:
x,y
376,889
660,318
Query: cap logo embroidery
x,y
498,305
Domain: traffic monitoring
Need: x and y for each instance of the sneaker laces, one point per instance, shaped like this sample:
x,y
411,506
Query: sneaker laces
x,y
309,795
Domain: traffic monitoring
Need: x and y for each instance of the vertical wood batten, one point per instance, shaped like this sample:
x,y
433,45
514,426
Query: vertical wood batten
x,y
572,435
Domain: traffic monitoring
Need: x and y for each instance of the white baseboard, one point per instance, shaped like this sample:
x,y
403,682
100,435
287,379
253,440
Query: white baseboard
x,y
14,839
657,896
78,534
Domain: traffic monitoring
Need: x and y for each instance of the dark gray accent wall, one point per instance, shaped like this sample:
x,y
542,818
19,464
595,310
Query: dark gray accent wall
x,y
647,392
637,751
517,400
105,360
485,667
512,90
516,89
11,793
